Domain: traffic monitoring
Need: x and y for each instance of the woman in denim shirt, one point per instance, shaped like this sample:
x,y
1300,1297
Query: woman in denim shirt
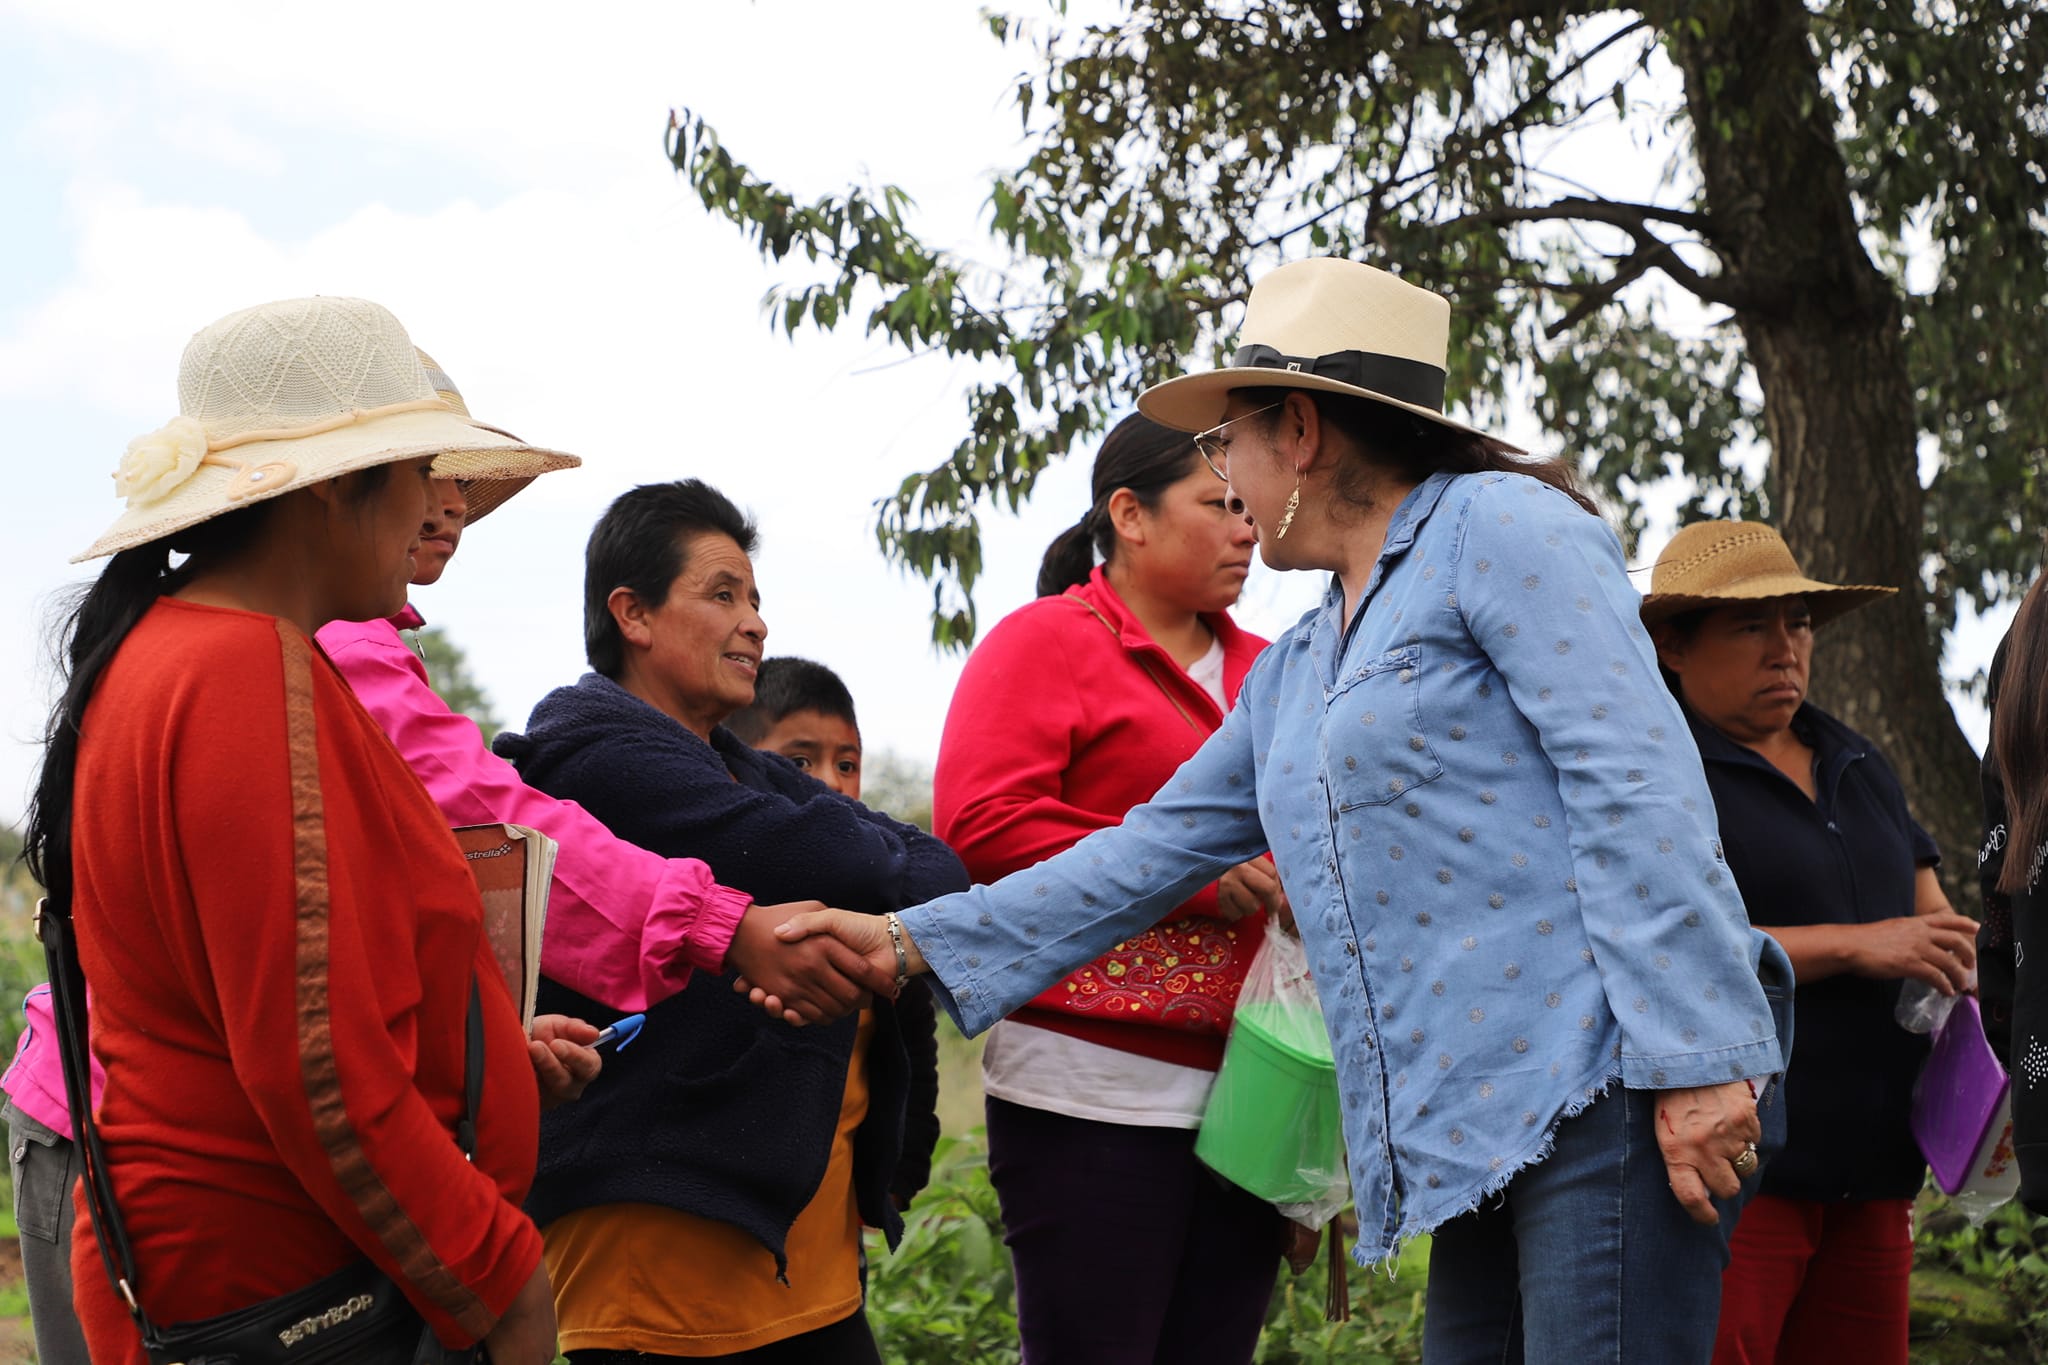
x,y
1540,984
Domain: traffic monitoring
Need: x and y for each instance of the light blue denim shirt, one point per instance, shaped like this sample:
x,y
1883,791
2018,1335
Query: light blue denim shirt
x,y
1493,826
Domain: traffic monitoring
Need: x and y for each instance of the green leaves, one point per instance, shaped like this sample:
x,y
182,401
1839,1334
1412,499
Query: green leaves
x,y
1177,153
945,1294
448,673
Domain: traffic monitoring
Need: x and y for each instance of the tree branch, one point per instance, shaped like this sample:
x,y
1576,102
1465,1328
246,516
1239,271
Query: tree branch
x,y
1592,298
1510,122
1633,218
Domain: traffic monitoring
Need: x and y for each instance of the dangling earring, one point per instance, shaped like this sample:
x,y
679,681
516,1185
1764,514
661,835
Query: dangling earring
x,y
1293,506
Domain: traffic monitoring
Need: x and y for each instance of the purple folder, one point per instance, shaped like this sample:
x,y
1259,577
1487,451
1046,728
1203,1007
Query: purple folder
x,y
1958,1097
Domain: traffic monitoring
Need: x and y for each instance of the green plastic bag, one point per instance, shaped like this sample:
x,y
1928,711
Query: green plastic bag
x,y
1273,1124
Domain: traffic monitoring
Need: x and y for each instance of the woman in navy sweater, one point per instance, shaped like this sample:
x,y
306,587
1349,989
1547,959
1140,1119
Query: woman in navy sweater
x,y
707,1198
1830,863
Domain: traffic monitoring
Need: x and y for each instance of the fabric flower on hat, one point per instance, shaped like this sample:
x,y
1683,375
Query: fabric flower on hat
x,y
158,462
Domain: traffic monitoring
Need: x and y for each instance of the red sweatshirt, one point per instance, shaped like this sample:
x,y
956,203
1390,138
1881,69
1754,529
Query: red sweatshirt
x,y
1064,719
280,936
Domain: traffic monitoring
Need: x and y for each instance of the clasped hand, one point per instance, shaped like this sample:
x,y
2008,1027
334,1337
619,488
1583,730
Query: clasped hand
x,y
1702,1133
824,972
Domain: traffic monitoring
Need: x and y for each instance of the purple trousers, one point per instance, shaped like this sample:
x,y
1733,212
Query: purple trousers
x,y
1126,1248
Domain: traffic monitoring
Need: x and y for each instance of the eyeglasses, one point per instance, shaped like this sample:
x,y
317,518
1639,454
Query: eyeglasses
x,y
1215,449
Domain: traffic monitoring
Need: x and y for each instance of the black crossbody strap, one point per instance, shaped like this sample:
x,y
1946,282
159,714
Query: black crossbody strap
x,y
67,1005
472,1071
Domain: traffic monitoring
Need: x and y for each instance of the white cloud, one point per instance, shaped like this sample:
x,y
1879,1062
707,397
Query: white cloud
x,y
601,311
210,137
74,128
214,156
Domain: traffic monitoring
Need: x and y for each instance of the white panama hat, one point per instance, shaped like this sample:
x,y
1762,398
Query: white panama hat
x,y
1332,326
287,394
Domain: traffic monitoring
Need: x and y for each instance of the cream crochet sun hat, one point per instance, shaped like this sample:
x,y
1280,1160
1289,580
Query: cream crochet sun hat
x,y
287,394
1330,325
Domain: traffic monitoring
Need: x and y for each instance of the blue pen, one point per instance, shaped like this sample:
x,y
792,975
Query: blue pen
x,y
622,1031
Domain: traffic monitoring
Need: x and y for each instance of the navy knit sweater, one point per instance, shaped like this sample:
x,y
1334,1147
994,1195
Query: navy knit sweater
x,y
716,1109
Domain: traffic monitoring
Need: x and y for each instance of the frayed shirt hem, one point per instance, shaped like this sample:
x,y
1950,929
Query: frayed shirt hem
x,y
1583,1098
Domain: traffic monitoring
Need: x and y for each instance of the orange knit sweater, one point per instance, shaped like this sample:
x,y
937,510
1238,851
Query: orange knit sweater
x,y
279,935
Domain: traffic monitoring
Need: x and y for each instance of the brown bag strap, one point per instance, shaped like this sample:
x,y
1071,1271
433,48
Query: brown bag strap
x,y
1337,1288
1145,664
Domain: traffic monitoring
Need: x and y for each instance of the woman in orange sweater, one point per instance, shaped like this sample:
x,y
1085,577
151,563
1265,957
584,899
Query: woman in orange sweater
x,y
279,934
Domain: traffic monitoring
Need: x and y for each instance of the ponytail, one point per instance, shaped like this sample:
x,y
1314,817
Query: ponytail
x,y
1138,454
1070,558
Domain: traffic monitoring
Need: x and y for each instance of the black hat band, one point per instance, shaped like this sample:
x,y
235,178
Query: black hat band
x,y
1390,376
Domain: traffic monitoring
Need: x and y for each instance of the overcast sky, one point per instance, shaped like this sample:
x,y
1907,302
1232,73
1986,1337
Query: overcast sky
x,y
494,175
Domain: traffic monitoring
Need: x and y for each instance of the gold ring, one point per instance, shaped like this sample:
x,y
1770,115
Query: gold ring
x,y
1745,1163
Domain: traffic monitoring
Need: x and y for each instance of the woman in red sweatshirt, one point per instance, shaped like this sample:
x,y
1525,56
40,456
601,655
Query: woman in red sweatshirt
x,y
1075,708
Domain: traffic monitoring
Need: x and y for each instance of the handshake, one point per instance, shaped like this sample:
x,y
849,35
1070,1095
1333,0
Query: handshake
x,y
807,963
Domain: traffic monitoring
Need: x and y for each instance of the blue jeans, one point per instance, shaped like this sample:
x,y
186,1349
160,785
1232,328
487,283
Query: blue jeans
x,y
1588,1256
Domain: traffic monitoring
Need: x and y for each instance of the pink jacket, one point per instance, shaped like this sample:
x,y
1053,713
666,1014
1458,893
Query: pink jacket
x,y
35,1081
624,926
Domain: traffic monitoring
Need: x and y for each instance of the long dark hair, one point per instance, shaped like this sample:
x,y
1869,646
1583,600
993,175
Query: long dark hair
x,y
1138,454
90,632
2019,737
1412,448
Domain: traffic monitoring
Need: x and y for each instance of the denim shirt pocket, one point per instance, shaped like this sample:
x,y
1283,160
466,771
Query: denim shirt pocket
x,y
1375,746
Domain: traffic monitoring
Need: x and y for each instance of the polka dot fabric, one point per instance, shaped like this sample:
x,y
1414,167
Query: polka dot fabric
x,y
1492,822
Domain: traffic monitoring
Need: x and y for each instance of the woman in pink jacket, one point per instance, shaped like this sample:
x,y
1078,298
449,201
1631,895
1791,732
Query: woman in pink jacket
x,y
1074,709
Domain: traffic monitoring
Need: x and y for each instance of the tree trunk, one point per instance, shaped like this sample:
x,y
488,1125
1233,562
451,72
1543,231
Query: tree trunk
x,y
1824,334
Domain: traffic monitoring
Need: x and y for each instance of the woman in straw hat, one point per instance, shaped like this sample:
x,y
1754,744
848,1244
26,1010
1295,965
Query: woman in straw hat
x,y
1540,986
281,938
1832,865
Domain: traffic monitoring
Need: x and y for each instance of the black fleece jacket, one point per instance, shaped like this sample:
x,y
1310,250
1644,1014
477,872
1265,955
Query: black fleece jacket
x,y
716,1109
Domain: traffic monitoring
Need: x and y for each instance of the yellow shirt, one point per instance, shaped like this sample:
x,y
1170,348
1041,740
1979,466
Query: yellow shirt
x,y
644,1277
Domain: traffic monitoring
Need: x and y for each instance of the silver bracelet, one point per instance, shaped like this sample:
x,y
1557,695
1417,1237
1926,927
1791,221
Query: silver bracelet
x,y
902,958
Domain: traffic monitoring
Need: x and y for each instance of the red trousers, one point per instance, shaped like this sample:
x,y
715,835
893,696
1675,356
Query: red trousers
x,y
1814,1282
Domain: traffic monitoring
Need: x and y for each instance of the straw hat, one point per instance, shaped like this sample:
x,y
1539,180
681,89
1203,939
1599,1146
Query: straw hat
x,y
1333,326
1714,563
480,494
277,397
